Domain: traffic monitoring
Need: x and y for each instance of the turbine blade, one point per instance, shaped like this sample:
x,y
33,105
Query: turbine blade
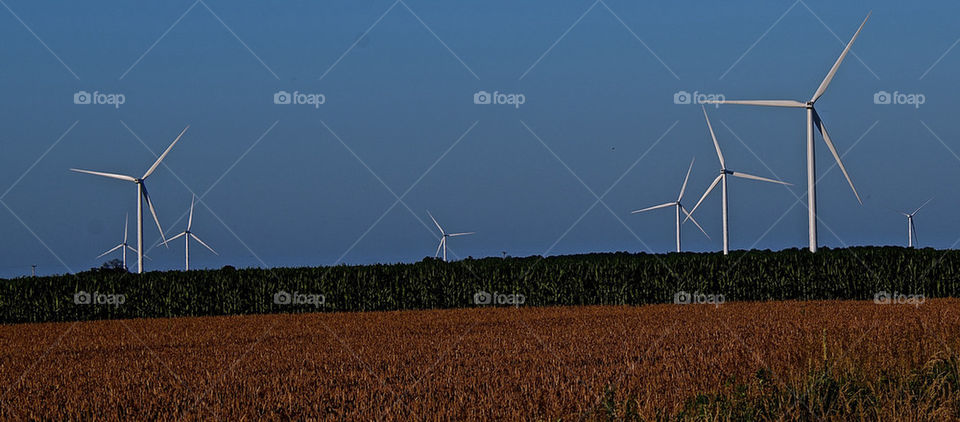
x,y
126,223
916,240
111,250
164,155
694,220
924,204
704,196
833,150
655,207
110,175
685,179
762,179
833,70
204,244
146,196
190,221
439,246
765,103
435,222
179,235
460,234
714,136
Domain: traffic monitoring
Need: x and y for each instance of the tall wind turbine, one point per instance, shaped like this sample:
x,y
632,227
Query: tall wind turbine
x,y
911,229
679,207
142,196
123,246
187,235
812,119
722,179
443,238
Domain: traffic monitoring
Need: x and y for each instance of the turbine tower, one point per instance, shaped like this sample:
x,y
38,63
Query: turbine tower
x,y
123,246
679,207
911,229
142,196
722,179
187,235
813,119
443,238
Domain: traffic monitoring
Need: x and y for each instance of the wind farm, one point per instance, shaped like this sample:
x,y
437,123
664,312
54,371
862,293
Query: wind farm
x,y
142,195
324,149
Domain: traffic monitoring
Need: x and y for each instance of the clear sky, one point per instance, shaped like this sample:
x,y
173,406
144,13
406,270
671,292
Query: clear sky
x,y
298,184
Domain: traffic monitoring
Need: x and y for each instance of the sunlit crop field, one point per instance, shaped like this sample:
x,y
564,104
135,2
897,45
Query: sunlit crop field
x,y
504,363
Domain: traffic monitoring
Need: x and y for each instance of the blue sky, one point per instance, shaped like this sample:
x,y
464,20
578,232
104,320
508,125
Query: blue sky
x,y
294,184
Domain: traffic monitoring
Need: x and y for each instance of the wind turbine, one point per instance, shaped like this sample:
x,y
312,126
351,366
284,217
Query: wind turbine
x,y
812,119
123,246
443,238
679,207
187,234
142,196
911,229
722,178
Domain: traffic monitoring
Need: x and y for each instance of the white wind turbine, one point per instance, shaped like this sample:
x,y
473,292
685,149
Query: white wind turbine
x,y
443,238
679,207
187,235
123,246
812,119
722,178
142,196
911,229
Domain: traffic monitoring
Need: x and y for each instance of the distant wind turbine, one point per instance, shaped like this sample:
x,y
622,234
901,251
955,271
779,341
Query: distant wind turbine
x,y
679,207
187,235
123,246
142,196
722,178
812,119
443,238
911,229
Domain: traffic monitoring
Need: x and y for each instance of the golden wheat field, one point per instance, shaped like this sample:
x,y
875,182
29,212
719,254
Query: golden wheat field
x,y
468,364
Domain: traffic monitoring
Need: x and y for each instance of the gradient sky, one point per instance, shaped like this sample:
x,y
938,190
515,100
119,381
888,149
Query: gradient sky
x,y
282,185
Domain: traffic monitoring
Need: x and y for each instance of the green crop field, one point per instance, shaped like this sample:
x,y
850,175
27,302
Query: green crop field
x,y
594,279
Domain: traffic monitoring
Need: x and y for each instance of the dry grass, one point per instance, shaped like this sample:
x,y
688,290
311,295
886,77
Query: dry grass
x,y
504,363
